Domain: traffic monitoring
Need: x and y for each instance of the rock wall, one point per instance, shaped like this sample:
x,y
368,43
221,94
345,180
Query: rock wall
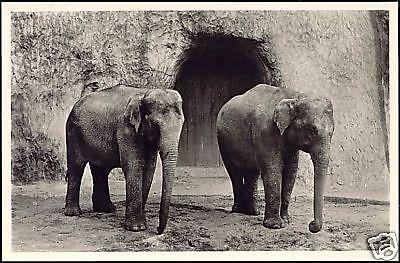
x,y
334,53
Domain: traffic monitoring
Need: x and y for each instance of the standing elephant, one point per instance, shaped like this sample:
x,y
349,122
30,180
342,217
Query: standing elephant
x,y
124,127
262,131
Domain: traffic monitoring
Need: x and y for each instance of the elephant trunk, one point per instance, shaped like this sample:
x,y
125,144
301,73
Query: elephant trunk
x,y
168,154
320,158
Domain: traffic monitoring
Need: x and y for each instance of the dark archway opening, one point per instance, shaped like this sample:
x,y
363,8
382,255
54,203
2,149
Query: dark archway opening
x,y
214,68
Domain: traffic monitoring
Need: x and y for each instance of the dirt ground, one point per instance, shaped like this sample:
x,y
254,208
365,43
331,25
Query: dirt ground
x,y
200,220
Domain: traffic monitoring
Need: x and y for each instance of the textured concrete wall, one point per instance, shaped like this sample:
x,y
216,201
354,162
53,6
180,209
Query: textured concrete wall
x,y
328,52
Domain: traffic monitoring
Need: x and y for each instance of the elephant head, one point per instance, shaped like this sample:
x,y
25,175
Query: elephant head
x,y
158,117
308,124
89,88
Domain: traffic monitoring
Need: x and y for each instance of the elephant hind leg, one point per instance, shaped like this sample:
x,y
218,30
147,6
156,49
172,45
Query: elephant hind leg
x,y
75,167
238,189
236,175
101,193
249,201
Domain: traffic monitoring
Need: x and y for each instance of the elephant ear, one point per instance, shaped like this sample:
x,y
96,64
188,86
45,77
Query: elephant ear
x,y
282,114
132,114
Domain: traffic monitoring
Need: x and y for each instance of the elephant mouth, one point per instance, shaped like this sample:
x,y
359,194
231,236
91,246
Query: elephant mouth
x,y
305,147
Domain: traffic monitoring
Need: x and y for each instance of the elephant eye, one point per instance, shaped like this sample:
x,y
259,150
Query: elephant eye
x,y
311,130
296,111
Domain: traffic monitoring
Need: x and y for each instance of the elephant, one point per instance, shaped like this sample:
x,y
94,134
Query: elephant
x,y
261,132
125,127
89,88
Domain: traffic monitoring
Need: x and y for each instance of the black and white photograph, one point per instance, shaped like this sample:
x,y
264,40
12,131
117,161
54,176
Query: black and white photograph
x,y
251,131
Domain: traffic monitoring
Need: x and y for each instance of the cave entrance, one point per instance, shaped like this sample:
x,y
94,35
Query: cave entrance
x,y
214,68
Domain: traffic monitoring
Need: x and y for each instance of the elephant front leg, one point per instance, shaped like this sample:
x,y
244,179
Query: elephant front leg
x,y
135,219
132,162
149,169
271,173
290,165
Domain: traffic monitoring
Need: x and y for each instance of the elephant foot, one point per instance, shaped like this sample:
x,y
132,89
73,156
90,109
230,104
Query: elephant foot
x,y
101,204
135,226
274,223
286,218
72,210
105,208
315,226
235,209
247,210
251,210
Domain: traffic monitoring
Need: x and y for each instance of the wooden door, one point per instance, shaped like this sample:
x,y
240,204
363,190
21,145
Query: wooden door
x,y
203,96
198,145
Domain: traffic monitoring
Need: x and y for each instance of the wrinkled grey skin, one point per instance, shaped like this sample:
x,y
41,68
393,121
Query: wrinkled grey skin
x,y
124,127
261,132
